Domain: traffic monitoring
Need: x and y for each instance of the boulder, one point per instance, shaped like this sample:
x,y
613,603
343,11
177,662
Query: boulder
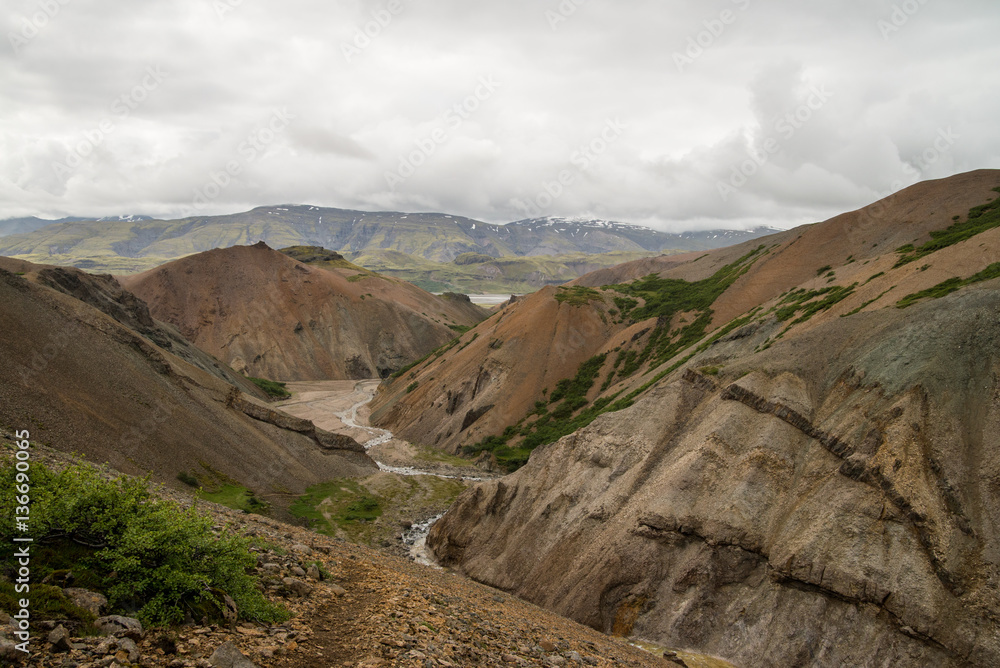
x,y
228,656
88,600
117,625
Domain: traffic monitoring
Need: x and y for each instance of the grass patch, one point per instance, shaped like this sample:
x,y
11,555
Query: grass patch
x,y
336,504
461,329
237,498
951,285
271,387
980,219
577,295
822,270
412,386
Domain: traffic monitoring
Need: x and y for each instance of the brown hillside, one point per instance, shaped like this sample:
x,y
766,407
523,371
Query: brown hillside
x,y
82,381
493,375
107,295
856,246
271,316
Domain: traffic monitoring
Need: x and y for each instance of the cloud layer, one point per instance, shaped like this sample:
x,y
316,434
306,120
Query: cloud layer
x,y
680,115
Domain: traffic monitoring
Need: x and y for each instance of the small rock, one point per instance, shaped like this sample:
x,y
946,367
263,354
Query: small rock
x,y
298,587
272,567
556,660
338,590
9,653
509,658
302,549
299,571
107,647
574,656
128,646
314,572
230,613
117,625
60,639
228,656
88,600
547,645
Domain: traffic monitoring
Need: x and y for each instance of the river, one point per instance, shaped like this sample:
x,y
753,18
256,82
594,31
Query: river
x,y
342,407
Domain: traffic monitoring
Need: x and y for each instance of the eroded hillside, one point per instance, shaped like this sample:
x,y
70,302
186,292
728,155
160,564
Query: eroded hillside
x,y
88,371
267,314
780,452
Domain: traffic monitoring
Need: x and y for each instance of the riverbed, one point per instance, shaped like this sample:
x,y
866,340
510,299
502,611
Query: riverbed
x,y
341,406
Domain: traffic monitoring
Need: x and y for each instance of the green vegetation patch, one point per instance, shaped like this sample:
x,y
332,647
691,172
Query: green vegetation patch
x,y
151,558
271,387
555,420
811,302
663,298
980,219
370,511
577,295
236,497
950,286
47,602
336,503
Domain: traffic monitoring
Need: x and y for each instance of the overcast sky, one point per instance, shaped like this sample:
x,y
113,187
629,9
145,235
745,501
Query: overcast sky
x,y
680,115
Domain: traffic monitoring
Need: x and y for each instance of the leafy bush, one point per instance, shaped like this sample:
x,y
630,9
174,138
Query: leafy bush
x,y
412,386
153,559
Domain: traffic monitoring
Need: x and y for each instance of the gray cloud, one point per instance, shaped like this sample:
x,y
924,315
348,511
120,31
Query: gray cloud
x,y
373,88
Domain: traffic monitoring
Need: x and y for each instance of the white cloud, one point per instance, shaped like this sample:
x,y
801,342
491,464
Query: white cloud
x,y
410,63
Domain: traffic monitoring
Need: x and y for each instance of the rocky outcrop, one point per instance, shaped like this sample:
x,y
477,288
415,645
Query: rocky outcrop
x,y
262,412
827,501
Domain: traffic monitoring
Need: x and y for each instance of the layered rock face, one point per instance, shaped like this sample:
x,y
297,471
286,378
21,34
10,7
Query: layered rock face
x,y
831,500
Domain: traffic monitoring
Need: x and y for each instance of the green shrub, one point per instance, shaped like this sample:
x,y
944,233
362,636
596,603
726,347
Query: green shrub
x,y
412,386
153,559
271,387
188,479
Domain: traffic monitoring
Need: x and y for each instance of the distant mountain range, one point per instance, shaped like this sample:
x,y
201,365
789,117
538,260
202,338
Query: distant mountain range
x,y
29,224
132,243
